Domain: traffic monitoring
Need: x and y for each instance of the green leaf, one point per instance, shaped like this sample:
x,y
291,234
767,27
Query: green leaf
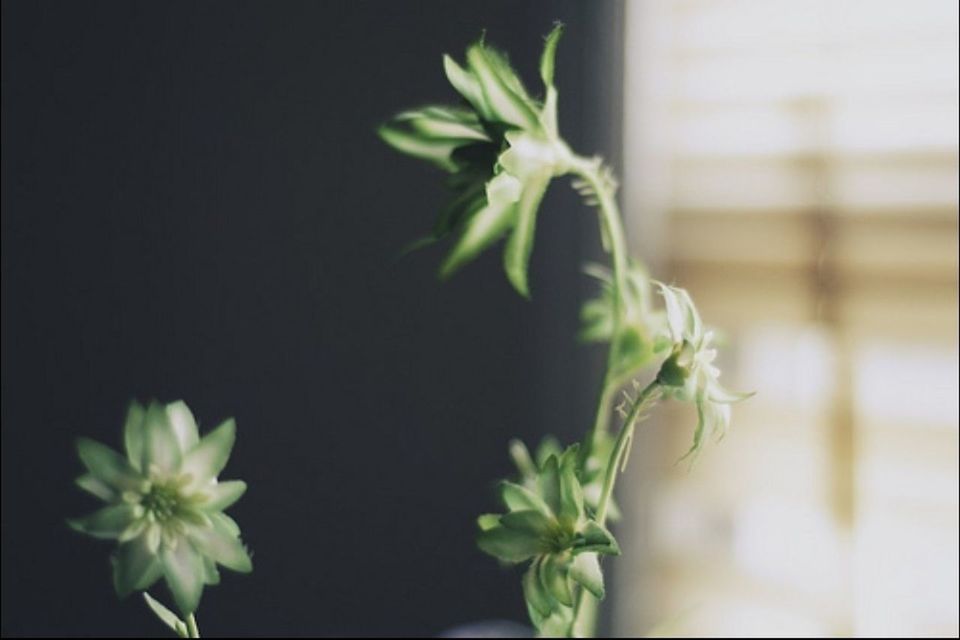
x,y
596,538
548,57
538,598
518,498
442,124
160,447
520,245
521,457
135,568
486,227
586,570
226,523
509,545
166,616
467,85
555,577
571,493
96,487
183,571
211,576
488,521
549,484
223,494
206,460
107,523
217,543
183,424
531,521
420,146
133,433
107,465
503,101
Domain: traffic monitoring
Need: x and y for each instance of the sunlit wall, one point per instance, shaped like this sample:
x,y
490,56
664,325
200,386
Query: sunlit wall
x,y
794,164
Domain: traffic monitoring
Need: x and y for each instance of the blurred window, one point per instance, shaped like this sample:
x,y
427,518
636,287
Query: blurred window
x,y
800,159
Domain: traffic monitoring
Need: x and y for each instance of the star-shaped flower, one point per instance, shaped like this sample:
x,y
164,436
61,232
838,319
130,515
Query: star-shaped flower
x,y
164,503
548,524
689,371
501,148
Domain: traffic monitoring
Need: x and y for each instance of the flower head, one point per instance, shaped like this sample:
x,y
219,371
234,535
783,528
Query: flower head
x,y
689,371
548,524
501,148
164,503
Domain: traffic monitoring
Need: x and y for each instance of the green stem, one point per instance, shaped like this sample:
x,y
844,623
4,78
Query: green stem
x,y
590,171
193,631
650,394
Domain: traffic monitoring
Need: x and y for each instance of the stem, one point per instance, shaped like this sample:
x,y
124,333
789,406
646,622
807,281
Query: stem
x,y
193,631
589,170
650,394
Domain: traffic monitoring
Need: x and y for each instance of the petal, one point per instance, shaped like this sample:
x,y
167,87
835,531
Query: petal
x,y
488,521
183,424
225,522
547,58
96,487
571,493
166,616
218,544
222,494
717,393
133,433
107,465
210,456
211,575
135,568
184,573
160,448
595,537
486,227
107,523
420,146
538,598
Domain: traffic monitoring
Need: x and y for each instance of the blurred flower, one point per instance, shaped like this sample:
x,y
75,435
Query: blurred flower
x,y
501,148
164,503
548,524
689,373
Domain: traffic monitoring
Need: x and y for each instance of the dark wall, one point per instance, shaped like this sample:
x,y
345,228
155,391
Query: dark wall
x,y
195,206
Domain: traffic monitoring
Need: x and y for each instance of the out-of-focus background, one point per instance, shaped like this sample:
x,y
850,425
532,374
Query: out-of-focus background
x,y
195,206
794,164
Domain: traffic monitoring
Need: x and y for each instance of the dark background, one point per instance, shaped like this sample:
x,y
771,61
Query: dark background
x,y
195,206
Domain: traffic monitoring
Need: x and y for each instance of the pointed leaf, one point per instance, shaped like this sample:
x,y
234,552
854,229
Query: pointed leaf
x,y
183,424
420,146
160,447
586,570
537,597
133,433
96,487
502,101
223,494
216,543
516,256
549,484
467,85
166,616
571,493
107,465
518,498
596,538
555,577
206,460
183,570
135,567
486,227
488,521
509,545
107,523
548,57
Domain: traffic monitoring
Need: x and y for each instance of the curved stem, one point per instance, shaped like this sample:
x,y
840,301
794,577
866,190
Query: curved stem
x,y
650,394
193,631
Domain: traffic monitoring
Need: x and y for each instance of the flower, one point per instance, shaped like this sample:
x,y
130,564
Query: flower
x,y
164,503
502,148
689,371
639,340
548,524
